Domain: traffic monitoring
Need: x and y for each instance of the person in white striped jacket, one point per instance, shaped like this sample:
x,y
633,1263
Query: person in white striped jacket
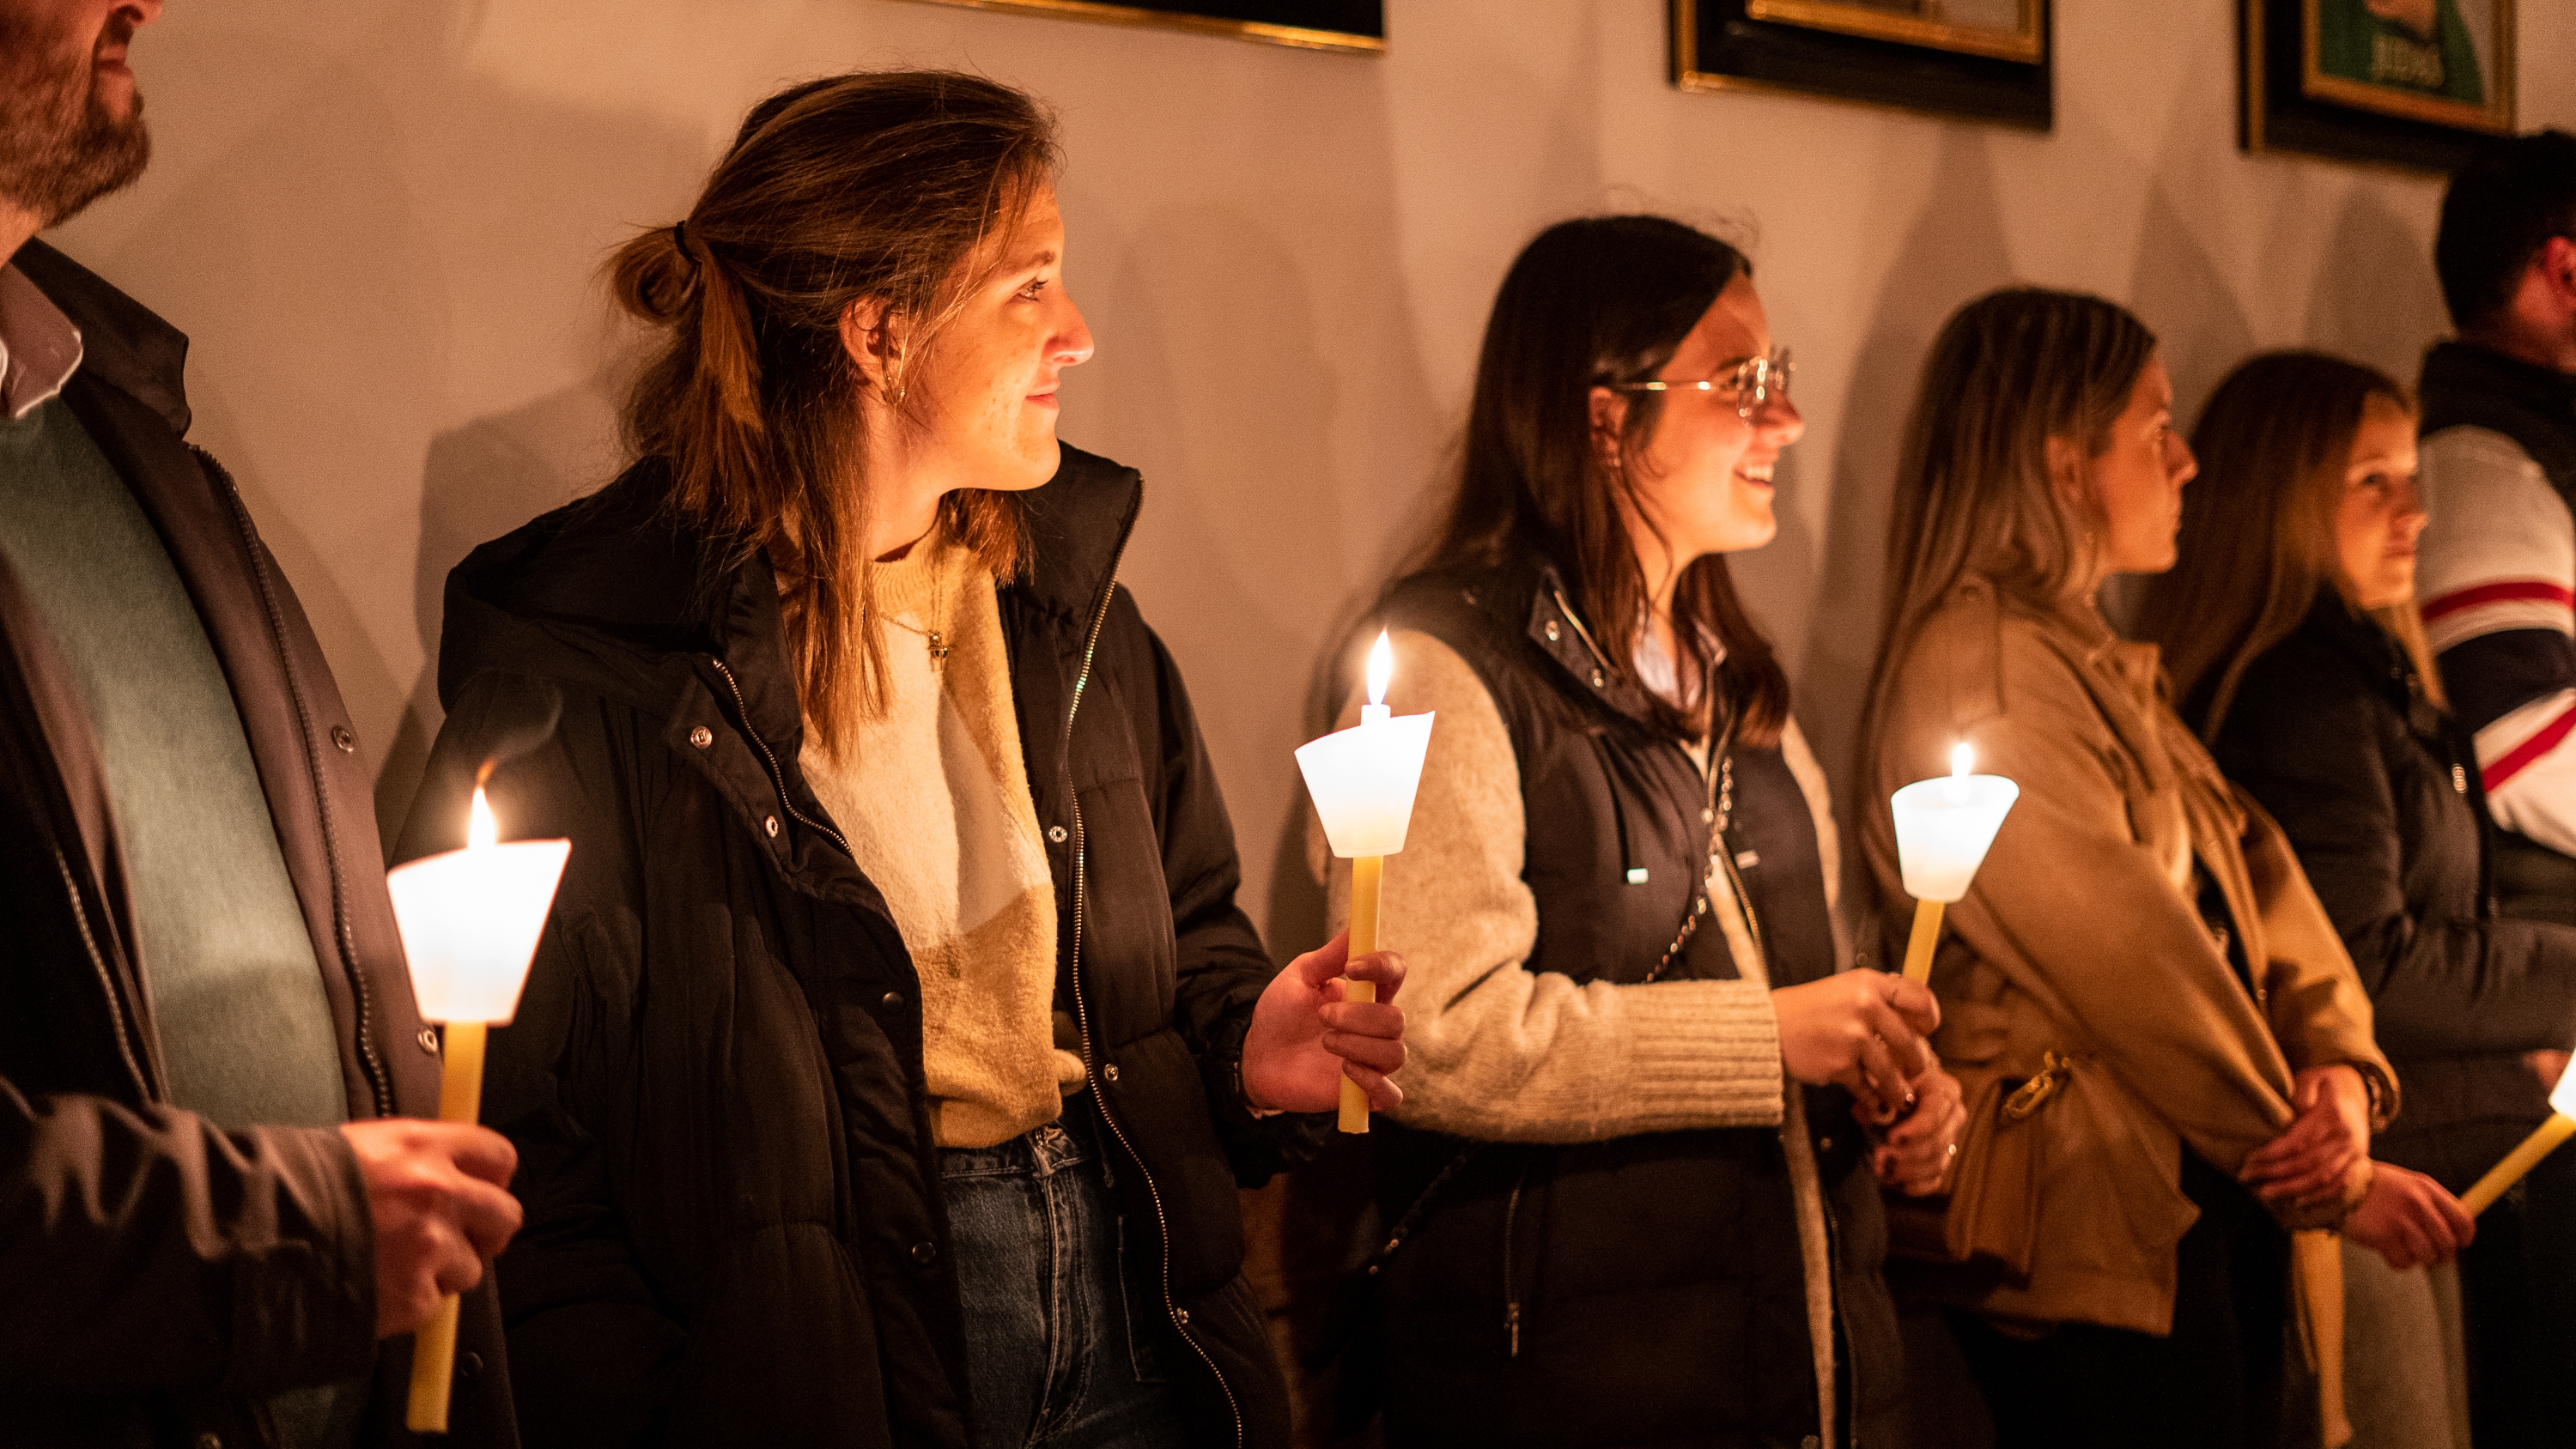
x,y
2497,566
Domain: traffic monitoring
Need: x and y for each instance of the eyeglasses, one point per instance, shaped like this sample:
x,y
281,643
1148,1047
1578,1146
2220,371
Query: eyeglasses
x,y
1750,383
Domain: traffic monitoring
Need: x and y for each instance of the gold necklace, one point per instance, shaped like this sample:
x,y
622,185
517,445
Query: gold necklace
x,y
937,638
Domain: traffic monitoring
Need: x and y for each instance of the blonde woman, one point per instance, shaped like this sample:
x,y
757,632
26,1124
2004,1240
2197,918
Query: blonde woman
x,y
2166,1055
2294,641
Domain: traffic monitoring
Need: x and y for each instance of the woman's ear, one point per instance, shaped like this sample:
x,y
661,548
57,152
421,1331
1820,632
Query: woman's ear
x,y
1609,415
872,337
2066,470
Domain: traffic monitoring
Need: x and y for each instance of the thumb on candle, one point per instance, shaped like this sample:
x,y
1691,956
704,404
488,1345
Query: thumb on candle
x,y
1325,962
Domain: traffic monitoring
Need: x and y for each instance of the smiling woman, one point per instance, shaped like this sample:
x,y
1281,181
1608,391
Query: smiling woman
x,y
898,1048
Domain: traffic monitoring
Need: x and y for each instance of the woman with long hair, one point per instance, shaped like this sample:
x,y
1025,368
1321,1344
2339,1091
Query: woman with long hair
x,y
896,1047
2167,1057
1633,1187
2295,645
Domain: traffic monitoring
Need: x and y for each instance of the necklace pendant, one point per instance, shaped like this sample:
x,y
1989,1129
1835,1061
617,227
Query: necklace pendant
x,y
938,647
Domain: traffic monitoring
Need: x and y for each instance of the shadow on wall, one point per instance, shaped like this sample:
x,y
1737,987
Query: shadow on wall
x,y
2377,299
481,481
329,220
1954,252
1227,611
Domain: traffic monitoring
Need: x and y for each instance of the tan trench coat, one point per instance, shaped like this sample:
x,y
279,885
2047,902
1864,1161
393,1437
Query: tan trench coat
x,y
2080,938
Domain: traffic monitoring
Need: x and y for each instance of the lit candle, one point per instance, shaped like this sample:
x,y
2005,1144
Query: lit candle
x,y
1943,829
1362,780
2543,1140
470,920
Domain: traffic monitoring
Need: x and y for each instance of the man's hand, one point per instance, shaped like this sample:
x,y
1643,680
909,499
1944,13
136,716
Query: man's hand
x,y
2309,1164
2408,1219
1305,1038
438,1194
1861,1030
1919,1152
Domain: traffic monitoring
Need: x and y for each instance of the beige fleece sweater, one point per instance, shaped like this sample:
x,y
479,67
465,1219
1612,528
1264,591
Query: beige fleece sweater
x,y
934,797
1500,1053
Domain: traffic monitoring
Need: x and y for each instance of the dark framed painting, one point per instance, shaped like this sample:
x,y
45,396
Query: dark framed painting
x,y
2417,83
1358,25
1987,60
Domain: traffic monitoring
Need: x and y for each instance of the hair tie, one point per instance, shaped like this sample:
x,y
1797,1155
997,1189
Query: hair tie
x,y
680,239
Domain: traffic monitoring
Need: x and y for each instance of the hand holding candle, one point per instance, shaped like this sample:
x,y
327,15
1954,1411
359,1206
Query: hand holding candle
x,y
1943,830
470,921
1363,780
2543,1141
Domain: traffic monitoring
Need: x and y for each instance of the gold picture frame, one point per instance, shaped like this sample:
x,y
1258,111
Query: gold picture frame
x,y
2027,41
1871,54
1302,37
2295,98
2493,117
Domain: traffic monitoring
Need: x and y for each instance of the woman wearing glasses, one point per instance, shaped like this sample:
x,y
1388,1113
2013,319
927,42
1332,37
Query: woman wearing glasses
x,y
1633,1185
2167,1056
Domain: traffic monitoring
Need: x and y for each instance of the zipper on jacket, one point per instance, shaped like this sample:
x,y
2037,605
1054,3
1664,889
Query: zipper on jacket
x,y
1511,1297
777,776
1082,1007
378,1081
106,981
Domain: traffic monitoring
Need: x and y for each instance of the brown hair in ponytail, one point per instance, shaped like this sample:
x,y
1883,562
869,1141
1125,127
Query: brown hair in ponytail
x,y
873,187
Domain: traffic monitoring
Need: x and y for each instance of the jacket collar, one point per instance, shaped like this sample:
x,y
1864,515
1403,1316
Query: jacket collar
x,y
122,343
605,592
2338,626
1527,595
2458,368
1077,527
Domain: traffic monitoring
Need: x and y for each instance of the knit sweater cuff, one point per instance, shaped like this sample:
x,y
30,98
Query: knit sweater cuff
x,y
1703,1054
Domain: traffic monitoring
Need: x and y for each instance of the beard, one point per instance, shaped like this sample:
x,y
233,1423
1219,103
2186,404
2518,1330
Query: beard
x,y
60,146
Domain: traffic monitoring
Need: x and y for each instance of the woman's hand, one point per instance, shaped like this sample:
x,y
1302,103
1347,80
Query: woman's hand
x,y
2309,1164
1919,1152
2547,1065
1859,1030
1305,1038
2409,1219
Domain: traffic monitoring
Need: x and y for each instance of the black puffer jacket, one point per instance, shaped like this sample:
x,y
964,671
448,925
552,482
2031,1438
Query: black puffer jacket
x,y
2378,792
734,1230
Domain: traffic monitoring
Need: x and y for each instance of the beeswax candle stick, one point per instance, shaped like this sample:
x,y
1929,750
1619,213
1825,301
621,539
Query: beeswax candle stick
x,y
433,1353
2523,1159
1367,873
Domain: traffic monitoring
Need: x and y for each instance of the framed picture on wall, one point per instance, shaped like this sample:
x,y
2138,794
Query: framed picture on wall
x,y
2416,83
1311,24
1987,60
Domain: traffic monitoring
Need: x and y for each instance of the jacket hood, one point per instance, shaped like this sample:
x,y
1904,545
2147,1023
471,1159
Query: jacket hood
x,y
122,343
609,593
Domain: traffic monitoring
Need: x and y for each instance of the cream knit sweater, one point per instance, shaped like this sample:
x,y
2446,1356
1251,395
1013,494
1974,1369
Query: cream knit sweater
x,y
1500,1053
934,797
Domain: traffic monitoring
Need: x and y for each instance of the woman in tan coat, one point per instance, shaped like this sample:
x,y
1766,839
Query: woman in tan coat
x,y
2167,1057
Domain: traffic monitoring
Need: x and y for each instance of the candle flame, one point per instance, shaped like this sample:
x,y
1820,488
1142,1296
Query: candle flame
x,y
1962,759
480,828
1381,668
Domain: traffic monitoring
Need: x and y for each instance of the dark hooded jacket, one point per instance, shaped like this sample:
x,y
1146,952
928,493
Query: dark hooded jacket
x,y
2377,788
160,1278
735,1233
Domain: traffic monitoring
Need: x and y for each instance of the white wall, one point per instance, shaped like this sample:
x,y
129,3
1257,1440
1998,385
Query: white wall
x,y
380,220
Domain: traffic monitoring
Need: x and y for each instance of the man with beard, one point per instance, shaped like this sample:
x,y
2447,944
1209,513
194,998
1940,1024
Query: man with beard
x,y
213,1210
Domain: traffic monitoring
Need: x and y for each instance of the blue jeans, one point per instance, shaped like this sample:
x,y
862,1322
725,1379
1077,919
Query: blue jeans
x,y
1055,1358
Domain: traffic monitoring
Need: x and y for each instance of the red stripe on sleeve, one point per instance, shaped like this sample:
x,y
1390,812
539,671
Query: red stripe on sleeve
x,y
2500,592
2512,761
